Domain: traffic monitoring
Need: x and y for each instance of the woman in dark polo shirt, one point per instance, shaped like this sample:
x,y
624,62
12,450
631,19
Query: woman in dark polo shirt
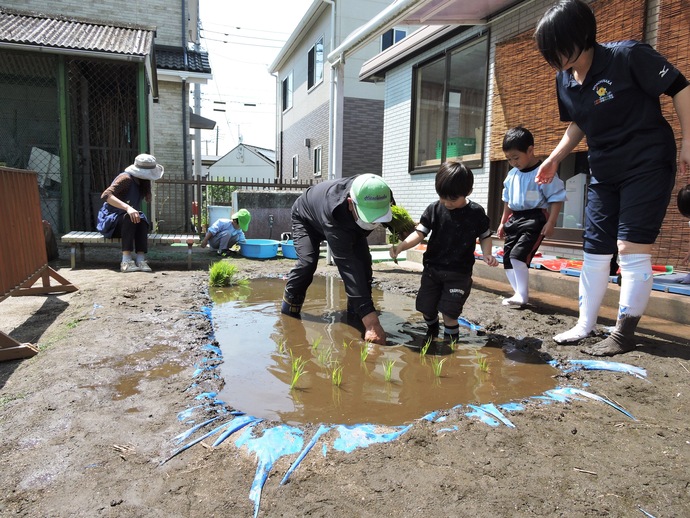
x,y
610,94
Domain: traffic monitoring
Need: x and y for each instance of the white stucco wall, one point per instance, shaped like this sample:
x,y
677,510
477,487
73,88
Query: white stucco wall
x,y
241,164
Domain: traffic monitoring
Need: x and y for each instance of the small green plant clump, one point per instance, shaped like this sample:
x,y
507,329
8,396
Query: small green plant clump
x,y
364,352
425,348
222,274
337,374
325,356
401,225
297,366
482,362
437,365
388,369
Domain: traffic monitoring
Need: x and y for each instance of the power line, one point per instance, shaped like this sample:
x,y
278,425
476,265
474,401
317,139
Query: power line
x,y
240,43
282,40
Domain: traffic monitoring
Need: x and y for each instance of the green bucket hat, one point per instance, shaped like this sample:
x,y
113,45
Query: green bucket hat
x,y
372,198
243,217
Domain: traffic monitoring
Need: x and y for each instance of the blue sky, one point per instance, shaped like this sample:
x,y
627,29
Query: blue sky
x,y
243,39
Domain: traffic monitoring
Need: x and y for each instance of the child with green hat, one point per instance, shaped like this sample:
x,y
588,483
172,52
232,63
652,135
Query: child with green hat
x,y
225,233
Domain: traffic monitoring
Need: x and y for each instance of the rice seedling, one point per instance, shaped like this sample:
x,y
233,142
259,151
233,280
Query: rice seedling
x,y
315,344
437,365
325,356
346,344
281,346
482,362
337,374
222,274
425,347
297,365
453,344
388,369
364,352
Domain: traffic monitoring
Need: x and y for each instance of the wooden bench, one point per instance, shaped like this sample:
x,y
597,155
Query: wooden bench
x,y
82,239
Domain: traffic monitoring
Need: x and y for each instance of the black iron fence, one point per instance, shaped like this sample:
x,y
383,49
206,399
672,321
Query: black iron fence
x,y
172,214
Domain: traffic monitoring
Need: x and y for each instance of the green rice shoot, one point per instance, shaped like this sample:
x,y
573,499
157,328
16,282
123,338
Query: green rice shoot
x,y
222,274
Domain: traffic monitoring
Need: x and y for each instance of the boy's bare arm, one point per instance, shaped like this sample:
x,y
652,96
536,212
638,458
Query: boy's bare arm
x,y
554,210
486,244
412,240
504,217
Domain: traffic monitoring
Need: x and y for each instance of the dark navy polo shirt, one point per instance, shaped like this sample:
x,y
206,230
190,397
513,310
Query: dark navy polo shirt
x,y
618,108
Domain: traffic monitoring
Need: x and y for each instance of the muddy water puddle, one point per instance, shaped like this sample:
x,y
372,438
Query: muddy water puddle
x,y
148,364
389,385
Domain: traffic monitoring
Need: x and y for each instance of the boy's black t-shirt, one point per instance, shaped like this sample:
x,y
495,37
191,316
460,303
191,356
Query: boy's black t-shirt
x,y
453,235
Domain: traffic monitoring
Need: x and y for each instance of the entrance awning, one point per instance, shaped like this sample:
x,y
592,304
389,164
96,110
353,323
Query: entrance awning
x,y
196,121
424,12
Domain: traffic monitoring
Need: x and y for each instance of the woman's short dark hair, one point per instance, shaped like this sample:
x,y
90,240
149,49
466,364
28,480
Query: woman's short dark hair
x,y
566,29
454,179
518,138
684,201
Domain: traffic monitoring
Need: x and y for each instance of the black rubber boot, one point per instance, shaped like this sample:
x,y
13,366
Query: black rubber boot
x,y
622,340
291,306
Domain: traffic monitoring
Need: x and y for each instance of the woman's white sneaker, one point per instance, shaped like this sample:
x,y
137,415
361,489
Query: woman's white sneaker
x,y
129,266
144,266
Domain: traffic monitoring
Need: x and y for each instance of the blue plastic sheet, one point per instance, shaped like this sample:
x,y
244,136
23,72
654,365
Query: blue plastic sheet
x,y
363,435
273,444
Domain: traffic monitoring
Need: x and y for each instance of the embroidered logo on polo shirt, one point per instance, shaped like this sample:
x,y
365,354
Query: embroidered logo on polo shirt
x,y
663,71
603,90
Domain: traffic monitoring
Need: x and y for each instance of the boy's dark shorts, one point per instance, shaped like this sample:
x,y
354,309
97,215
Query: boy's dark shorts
x,y
443,291
523,236
630,210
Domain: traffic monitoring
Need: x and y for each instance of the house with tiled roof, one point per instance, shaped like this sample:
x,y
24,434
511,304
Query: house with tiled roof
x,y
85,87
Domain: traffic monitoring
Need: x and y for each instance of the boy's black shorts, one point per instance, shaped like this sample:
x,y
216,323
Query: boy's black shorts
x,y
523,236
444,291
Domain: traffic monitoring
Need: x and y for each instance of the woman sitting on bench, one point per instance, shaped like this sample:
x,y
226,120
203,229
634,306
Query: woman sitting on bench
x,y
121,216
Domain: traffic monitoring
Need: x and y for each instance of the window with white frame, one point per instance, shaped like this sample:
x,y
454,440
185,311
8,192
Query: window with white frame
x,y
449,106
287,92
317,161
315,64
295,167
391,37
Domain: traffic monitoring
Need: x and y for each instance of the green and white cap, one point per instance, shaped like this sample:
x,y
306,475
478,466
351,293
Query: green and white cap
x,y
372,198
243,218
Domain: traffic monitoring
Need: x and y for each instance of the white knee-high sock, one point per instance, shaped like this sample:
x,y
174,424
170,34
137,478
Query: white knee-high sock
x,y
594,279
521,280
636,284
593,284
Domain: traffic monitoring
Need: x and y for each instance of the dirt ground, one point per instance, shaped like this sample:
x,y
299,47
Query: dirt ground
x,y
85,424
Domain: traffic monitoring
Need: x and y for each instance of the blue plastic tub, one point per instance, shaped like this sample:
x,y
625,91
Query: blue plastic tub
x,y
288,248
259,248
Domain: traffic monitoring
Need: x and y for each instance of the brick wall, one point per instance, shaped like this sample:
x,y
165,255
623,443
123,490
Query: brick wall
x,y
674,43
167,146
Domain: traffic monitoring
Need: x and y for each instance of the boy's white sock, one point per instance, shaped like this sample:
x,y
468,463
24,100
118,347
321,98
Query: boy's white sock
x,y
141,257
521,281
126,257
636,284
594,280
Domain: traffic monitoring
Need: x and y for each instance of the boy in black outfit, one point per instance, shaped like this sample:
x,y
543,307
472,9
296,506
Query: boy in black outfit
x,y
454,224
